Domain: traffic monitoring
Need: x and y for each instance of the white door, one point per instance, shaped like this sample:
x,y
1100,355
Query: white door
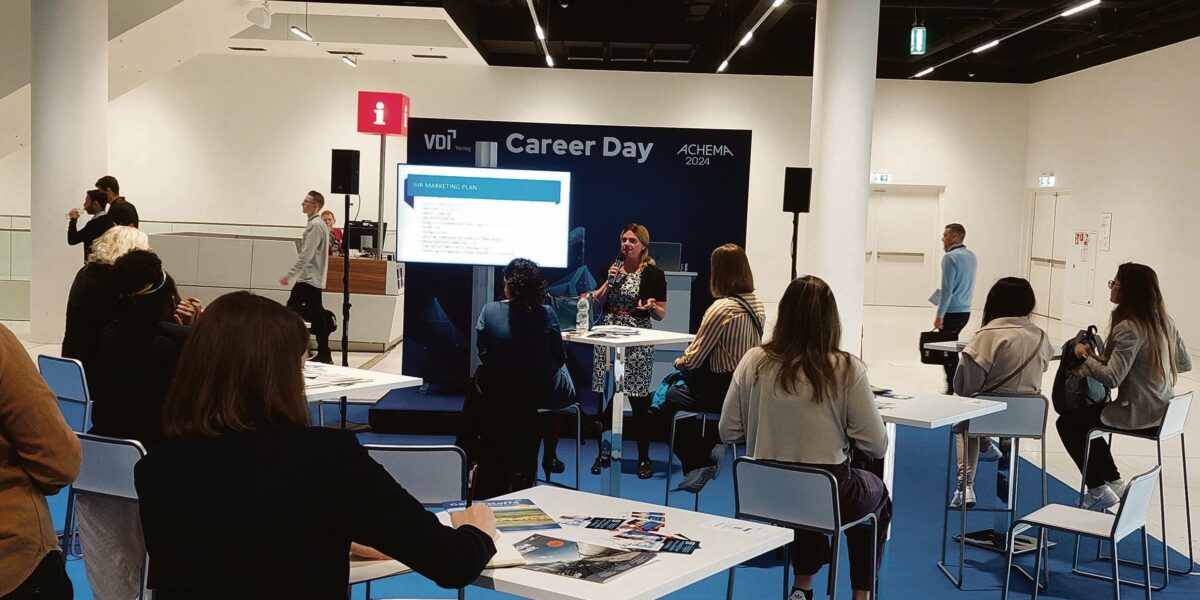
x,y
903,238
1049,242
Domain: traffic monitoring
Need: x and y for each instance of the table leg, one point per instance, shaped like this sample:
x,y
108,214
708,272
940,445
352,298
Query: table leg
x,y
610,479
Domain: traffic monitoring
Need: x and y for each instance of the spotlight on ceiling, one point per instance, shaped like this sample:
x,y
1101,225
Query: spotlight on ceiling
x,y
260,16
350,61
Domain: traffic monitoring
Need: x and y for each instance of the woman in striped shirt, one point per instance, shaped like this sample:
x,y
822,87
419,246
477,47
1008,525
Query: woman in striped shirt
x,y
729,329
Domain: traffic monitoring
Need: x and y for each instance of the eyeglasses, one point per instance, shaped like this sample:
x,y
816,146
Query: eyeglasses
x,y
1112,283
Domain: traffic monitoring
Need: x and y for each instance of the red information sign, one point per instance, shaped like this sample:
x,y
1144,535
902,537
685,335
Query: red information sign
x,y
383,112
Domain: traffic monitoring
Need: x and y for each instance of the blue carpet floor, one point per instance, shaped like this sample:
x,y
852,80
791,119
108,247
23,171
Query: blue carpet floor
x,y
909,569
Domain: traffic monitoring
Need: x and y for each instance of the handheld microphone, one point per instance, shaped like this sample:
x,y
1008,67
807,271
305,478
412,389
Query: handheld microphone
x,y
612,281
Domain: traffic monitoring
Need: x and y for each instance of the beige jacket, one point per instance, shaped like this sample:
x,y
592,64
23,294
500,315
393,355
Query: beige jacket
x,y
1142,394
996,351
39,455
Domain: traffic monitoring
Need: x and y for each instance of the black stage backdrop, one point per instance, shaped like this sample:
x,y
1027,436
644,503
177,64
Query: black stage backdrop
x,y
685,185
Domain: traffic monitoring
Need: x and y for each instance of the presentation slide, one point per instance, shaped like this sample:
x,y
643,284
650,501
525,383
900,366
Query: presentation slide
x,y
473,216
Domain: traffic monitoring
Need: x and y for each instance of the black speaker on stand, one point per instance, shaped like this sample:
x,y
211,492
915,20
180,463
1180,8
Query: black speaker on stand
x,y
343,179
797,194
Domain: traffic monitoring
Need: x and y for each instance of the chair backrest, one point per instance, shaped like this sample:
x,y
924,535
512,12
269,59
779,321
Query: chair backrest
x,y
432,474
65,378
785,495
107,466
1176,416
1023,416
1135,503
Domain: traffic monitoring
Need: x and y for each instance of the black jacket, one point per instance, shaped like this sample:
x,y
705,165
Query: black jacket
x,y
92,230
91,306
135,363
271,514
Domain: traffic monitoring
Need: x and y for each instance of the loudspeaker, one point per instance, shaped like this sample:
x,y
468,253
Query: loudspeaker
x,y
797,189
343,177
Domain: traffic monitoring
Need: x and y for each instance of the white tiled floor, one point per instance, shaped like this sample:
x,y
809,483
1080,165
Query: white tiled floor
x,y
890,347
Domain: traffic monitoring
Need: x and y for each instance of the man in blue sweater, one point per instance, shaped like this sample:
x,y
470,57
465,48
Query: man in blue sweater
x,y
958,286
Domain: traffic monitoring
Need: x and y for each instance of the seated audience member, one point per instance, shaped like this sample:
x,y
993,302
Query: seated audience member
x,y
39,455
799,399
122,211
238,468
92,301
135,363
731,326
1143,357
1007,356
94,203
521,335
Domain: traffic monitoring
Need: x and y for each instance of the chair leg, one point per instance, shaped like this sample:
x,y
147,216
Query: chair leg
x,y
874,558
69,524
368,587
1146,560
1087,451
951,468
670,459
1187,509
578,442
787,566
729,583
1037,557
833,564
1116,572
1162,506
462,593
1008,562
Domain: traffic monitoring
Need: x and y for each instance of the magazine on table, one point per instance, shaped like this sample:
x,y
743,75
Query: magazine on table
x,y
513,515
316,377
578,560
641,531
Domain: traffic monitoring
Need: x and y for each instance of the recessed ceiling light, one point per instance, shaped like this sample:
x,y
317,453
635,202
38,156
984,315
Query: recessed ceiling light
x,y
924,73
987,46
1081,7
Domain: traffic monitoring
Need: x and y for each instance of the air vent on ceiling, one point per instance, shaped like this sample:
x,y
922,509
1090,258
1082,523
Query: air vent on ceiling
x,y
247,49
441,56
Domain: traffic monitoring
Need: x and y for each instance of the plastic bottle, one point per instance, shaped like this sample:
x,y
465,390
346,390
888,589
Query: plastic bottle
x,y
583,318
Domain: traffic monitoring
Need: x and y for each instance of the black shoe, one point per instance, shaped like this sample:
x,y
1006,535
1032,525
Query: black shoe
x,y
326,358
553,466
645,469
601,461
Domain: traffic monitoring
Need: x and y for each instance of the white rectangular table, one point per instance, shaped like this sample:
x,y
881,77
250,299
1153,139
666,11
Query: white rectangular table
x,y
373,382
610,480
719,550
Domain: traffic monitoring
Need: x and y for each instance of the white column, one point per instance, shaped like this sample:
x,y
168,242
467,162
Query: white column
x,y
69,145
840,153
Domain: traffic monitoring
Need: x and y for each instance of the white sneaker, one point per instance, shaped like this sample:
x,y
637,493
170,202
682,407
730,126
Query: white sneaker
x,y
1118,487
1100,499
991,453
798,594
957,500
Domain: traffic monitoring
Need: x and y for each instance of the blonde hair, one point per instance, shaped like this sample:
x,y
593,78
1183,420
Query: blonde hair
x,y
640,232
117,242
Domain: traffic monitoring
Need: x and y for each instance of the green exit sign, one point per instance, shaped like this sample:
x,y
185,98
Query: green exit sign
x,y
916,41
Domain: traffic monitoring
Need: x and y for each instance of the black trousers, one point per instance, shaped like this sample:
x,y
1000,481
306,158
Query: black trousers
x,y
693,440
48,581
954,323
1073,428
305,299
860,492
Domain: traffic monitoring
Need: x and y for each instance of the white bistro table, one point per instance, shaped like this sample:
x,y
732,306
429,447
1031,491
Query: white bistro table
x,y
316,390
724,543
610,480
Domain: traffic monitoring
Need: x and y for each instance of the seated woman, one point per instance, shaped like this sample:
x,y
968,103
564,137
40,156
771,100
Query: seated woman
x,y
1008,355
731,326
242,499
135,362
92,301
522,334
799,399
1143,357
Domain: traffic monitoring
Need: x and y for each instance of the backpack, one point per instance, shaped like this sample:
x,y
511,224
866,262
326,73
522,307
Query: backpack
x,y
1072,388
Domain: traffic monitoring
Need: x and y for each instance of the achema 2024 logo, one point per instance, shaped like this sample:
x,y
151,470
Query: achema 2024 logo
x,y
701,154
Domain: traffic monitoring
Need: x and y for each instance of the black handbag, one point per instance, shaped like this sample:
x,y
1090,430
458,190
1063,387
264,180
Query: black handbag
x,y
937,357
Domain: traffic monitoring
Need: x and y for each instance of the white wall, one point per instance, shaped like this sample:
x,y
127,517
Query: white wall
x,y
1124,138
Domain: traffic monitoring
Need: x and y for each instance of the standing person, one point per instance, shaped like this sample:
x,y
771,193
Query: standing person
x,y
122,211
1007,356
39,455
335,233
309,271
634,292
94,203
1143,357
958,287
239,467
800,399
92,301
731,326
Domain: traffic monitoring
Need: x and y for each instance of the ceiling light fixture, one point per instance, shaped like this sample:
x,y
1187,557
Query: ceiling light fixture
x,y
300,33
724,65
350,61
549,61
924,73
260,16
916,41
1080,8
749,34
539,32
987,46
746,38
776,3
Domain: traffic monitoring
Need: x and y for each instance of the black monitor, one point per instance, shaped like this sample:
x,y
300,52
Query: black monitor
x,y
360,235
668,256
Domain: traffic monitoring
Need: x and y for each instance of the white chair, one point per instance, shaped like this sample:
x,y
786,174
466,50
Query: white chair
x,y
1170,426
107,470
704,417
566,410
796,497
1101,525
66,379
1024,417
432,474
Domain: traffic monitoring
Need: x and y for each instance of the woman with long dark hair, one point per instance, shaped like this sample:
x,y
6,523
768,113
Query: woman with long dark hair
x,y
634,292
239,467
1143,357
1008,355
800,399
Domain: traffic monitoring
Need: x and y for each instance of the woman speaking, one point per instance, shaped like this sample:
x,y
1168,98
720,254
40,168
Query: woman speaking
x,y
634,291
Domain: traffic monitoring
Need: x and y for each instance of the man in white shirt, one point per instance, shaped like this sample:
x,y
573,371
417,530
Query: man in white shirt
x,y
309,271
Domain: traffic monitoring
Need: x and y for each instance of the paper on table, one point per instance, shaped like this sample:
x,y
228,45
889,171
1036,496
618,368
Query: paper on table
x,y
506,556
735,527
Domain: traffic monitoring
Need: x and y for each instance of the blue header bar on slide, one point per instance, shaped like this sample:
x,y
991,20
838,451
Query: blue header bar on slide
x,y
483,188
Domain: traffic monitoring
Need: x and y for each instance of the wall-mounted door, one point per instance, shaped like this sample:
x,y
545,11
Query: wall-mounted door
x,y
902,246
1049,241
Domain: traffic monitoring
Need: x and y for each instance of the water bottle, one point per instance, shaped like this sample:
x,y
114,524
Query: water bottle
x,y
583,317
